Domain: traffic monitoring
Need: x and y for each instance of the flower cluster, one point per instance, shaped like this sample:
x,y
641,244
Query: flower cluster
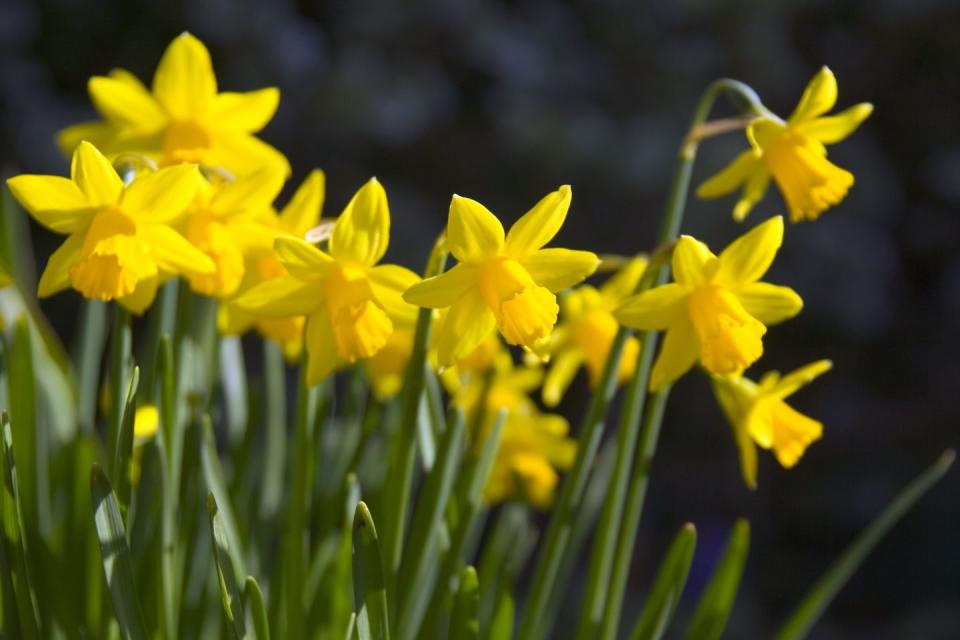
x,y
174,183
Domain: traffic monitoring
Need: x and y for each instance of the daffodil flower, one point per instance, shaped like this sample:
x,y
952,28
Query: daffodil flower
x,y
794,154
224,221
347,298
586,331
716,310
760,417
120,243
508,282
386,368
299,215
183,118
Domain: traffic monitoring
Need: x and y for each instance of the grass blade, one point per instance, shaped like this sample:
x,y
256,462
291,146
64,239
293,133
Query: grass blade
x,y
667,587
115,551
369,586
217,486
276,430
463,621
501,623
256,607
93,337
226,577
826,589
124,453
710,616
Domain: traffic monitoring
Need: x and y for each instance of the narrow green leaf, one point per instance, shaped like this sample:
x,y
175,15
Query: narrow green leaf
x,y
800,622
121,361
422,548
233,381
463,621
124,453
28,622
274,457
117,565
217,486
89,351
369,587
501,624
713,610
227,578
256,607
667,587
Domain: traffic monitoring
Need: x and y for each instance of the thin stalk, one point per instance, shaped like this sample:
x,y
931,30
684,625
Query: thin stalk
x,y
276,436
93,335
119,365
533,622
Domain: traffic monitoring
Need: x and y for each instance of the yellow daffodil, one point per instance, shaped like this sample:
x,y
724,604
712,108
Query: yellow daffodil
x,y
146,420
716,309
386,368
119,244
534,445
348,300
300,215
507,281
794,154
183,118
760,417
225,222
586,331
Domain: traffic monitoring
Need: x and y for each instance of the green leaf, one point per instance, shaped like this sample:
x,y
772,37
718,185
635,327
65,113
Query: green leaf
x,y
253,597
121,362
667,587
501,623
422,549
463,621
89,351
27,623
710,616
227,578
233,382
115,551
369,587
124,453
217,486
800,622
274,456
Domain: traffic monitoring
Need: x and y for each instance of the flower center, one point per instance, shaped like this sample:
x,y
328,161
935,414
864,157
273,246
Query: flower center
x,y
730,338
809,182
525,312
361,327
185,141
113,259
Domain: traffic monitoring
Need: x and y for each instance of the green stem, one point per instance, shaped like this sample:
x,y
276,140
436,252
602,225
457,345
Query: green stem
x,y
533,622
119,365
400,473
276,436
93,335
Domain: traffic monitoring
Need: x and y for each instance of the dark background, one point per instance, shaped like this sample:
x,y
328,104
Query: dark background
x,y
505,101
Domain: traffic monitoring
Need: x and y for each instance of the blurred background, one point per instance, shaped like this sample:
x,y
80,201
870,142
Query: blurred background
x,y
505,101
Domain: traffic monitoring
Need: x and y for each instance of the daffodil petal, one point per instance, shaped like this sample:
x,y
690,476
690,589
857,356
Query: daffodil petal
x,y
252,193
769,303
558,269
321,348
389,281
734,175
142,297
95,176
473,233
832,129
244,153
302,213
161,196
56,203
184,82
98,133
679,353
793,432
623,283
563,369
282,297
748,257
729,398
753,193
763,131
690,260
125,103
56,276
443,290
818,98
362,231
656,308
248,112
538,226
173,253
303,260
467,324
793,381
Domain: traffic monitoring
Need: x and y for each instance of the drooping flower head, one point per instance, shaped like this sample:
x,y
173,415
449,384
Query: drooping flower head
x,y
794,154
503,281
299,215
120,244
716,310
225,222
760,417
586,331
183,118
349,301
